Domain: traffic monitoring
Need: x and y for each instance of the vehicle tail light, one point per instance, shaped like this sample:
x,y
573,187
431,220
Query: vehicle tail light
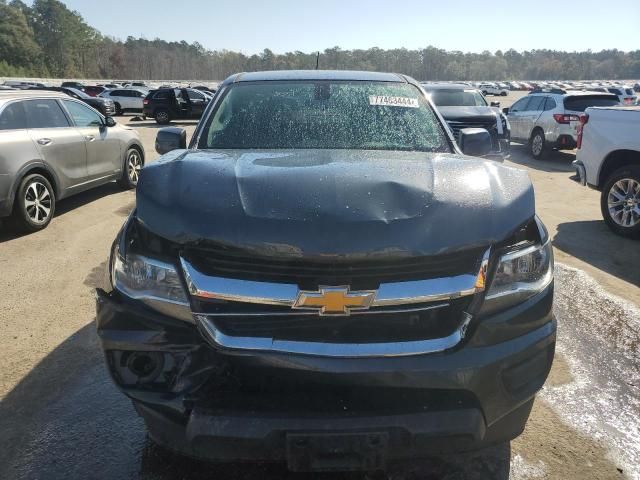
x,y
583,121
564,118
145,102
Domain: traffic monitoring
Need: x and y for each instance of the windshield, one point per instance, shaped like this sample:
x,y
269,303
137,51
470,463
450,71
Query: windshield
x,y
458,98
324,115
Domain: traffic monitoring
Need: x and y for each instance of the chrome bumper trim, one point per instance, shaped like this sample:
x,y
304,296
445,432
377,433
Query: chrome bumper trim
x,y
337,350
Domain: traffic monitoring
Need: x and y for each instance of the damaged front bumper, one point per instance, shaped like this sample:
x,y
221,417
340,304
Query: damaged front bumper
x,y
229,405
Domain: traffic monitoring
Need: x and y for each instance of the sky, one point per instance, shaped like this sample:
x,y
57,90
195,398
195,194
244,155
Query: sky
x,y
250,26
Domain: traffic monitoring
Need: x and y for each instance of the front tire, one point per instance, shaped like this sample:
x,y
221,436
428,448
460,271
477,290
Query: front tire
x,y
35,204
620,201
537,144
504,94
132,165
118,109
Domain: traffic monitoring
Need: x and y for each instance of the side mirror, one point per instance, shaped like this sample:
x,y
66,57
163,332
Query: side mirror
x,y
475,142
505,110
169,139
495,104
109,122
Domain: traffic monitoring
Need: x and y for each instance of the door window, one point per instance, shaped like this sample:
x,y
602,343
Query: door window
x,y
12,117
535,104
162,95
45,114
520,105
195,95
82,116
550,104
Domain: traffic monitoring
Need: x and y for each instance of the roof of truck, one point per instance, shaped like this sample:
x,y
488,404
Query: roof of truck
x,y
344,75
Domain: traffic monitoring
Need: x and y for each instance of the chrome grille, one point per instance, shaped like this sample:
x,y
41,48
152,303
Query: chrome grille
x,y
310,273
489,125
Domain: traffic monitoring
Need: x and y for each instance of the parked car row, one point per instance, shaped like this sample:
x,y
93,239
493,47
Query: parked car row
x,y
622,89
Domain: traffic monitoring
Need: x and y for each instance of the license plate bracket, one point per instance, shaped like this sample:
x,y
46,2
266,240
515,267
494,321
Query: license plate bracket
x,y
311,452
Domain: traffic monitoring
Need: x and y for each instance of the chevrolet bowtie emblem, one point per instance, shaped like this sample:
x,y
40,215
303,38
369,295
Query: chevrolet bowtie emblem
x,y
334,300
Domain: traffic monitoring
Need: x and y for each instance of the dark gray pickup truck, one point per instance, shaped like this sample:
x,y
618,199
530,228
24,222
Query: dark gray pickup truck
x,y
325,278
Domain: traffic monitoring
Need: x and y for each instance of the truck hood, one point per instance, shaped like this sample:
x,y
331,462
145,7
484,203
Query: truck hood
x,y
468,113
346,203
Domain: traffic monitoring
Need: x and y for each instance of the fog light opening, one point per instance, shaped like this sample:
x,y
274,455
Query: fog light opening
x,y
145,365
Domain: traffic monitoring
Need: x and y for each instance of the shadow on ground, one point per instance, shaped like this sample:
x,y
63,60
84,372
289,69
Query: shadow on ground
x,y
554,161
592,242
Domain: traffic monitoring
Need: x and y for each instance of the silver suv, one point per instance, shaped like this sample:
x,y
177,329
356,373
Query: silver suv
x,y
53,146
549,119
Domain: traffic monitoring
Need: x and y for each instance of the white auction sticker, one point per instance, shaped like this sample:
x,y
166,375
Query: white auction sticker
x,y
406,102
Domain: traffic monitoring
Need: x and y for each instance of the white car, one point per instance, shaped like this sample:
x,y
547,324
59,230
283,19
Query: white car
x,y
548,119
625,94
126,99
608,159
493,89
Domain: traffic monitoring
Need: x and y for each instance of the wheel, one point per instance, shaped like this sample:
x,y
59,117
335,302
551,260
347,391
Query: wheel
x,y
35,204
162,117
484,92
504,94
118,109
537,144
620,201
133,164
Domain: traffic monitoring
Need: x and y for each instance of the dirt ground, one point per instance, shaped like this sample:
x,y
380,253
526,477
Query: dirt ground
x,y
60,416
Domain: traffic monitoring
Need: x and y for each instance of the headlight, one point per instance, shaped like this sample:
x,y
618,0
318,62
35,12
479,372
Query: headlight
x,y
151,281
520,275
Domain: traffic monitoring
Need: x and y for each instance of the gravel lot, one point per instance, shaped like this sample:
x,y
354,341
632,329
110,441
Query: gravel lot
x,y
61,417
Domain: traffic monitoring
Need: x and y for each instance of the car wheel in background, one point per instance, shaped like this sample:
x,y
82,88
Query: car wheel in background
x,y
162,117
35,204
620,201
132,166
504,94
118,109
537,144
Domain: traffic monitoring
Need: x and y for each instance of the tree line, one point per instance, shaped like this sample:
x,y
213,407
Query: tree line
x,y
49,40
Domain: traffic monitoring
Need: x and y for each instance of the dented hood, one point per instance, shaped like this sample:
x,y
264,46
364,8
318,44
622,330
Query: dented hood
x,y
332,202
